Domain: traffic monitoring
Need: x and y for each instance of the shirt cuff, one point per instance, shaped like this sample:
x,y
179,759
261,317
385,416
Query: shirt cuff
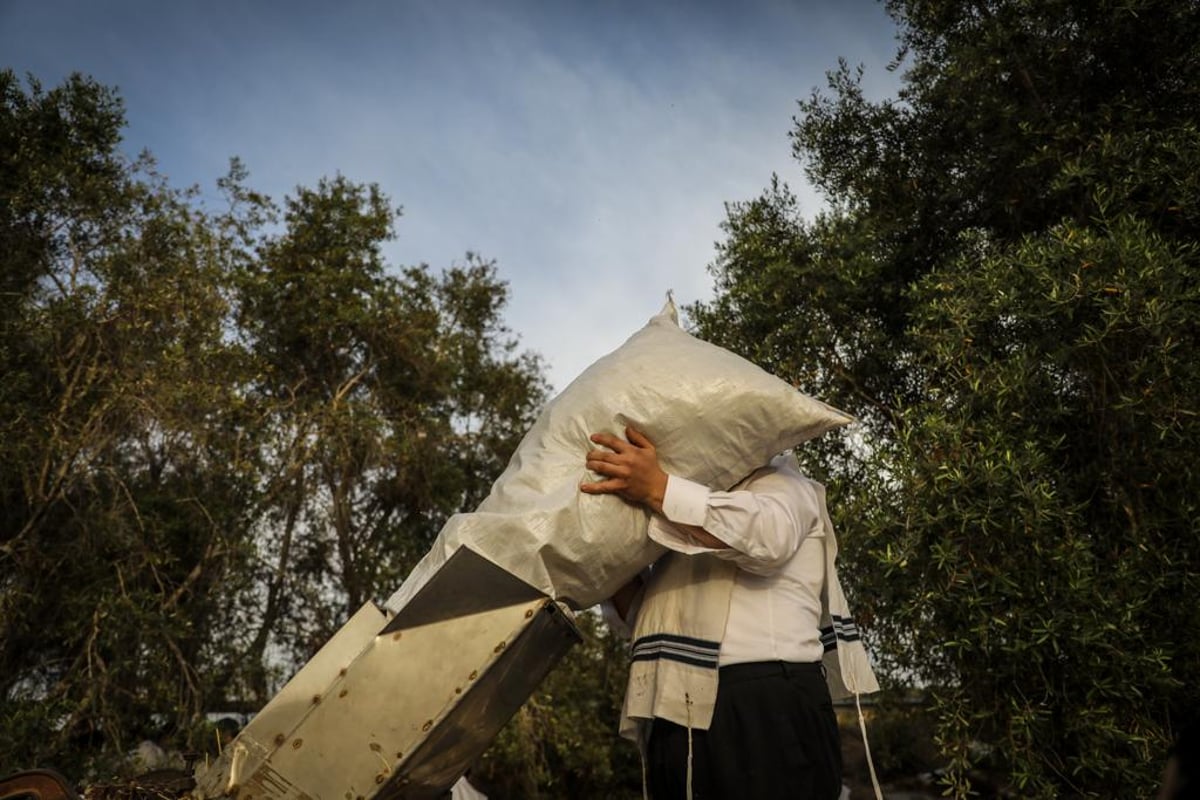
x,y
664,532
685,502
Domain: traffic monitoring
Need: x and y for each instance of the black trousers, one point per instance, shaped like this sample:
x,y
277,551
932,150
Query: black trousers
x,y
773,735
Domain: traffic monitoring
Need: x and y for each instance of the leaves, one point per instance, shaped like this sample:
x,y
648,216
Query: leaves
x,y
1004,291
220,434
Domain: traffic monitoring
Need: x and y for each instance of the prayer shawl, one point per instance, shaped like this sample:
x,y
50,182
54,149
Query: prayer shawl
x,y
677,640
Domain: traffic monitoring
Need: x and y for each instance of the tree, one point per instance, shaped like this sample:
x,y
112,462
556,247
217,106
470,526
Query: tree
x,y
1003,288
119,499
218,439
392,402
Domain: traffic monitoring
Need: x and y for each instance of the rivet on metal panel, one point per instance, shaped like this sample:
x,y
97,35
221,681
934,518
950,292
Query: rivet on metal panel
x,y
399,754
342,672
343,692
428,724
380,778
280,739
297,743
458,690
375,746
474,674
396,636
529,613
500,647
316,699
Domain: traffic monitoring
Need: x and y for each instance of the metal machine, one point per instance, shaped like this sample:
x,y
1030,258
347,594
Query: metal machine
x,y
400,706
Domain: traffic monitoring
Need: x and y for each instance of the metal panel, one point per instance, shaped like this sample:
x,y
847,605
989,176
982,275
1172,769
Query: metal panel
x,y
400,707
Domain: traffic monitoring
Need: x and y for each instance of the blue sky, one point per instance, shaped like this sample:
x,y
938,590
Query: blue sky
x,y
588,147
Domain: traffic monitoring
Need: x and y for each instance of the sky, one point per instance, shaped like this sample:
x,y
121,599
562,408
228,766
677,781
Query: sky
x,y
588,147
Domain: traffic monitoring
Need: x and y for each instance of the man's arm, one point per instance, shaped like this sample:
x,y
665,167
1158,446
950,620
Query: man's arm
x,y
623,599
632,472
620,611
758,526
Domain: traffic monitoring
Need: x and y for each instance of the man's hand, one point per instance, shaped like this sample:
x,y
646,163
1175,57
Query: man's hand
x,y
630,469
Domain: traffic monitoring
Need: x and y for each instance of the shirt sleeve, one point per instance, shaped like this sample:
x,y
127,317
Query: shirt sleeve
x,y
764,522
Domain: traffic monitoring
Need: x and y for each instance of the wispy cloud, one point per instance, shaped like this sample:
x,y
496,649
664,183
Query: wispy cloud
x,y
589,148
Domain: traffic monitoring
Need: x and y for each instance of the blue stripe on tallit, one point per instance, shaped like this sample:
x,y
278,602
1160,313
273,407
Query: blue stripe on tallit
x,y
843,628
684,649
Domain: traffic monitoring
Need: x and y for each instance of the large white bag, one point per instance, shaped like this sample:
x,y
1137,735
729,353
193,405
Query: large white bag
x,y
713,416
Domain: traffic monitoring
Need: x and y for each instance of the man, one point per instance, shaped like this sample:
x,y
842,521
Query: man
x,y
727,690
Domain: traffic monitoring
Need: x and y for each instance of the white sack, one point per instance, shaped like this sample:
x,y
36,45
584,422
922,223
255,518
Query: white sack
x,y
713,416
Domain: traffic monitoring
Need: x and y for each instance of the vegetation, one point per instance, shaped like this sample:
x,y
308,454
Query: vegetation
x,y
1004,288
223,431
563,742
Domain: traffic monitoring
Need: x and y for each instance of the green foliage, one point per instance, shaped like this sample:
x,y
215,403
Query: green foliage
x,y
1004,290
901,739
219,435
563,742
1049,506
117,504
391,401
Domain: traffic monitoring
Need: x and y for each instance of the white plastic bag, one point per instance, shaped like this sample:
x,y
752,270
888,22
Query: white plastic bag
x,y
713,417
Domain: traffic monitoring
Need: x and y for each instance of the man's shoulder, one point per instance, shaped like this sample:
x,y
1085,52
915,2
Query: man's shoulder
x,y
786,464
782,469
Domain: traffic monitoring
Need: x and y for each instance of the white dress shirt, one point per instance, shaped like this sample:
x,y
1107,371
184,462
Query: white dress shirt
x,y
772,523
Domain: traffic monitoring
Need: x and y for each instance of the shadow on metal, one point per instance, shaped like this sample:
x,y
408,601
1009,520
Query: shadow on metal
x,y
467,584
401,706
